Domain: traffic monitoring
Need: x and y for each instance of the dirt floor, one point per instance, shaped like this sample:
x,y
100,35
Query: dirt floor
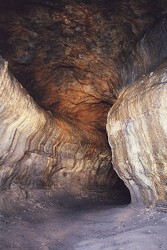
x,y
61,222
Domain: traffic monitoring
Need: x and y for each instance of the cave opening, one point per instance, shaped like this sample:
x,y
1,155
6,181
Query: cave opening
x,y
83,124
67,63
76,59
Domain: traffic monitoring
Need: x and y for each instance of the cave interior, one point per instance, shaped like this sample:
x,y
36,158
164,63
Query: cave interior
x,y
83,124
84,64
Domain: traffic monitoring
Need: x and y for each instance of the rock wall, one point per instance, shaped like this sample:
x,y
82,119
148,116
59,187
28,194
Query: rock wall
x,y
77,59
38,150
137,129
136,122
148,54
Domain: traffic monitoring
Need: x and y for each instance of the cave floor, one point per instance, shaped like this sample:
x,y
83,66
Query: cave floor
x,y
62,223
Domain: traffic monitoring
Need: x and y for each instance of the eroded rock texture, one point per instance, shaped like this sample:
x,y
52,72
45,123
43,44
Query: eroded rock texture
x,y
137,121
138,136
73,58
137,129
68,57
38,150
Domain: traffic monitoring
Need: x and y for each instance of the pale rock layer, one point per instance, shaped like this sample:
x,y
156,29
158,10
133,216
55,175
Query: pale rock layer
x,y
38,150
137,131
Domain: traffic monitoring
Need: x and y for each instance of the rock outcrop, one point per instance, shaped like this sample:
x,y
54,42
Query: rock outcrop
x,y
136,122
137,129
77,59
39,150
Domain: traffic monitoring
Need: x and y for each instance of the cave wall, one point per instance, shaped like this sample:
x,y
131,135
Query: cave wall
x,y
75,58
137,129
41,151
137,120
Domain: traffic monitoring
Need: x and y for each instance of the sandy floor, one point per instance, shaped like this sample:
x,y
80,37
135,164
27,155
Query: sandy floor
x,y
63,223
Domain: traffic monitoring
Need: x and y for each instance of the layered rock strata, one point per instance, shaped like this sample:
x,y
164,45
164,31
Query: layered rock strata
x,y
148,53
137,130
67,58
38,150
75,58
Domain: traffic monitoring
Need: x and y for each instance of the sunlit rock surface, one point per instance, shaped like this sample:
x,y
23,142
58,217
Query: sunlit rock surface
x,y
137,128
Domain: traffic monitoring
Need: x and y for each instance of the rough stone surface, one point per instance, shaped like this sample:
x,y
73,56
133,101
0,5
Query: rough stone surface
x,y
148,54
73,58
38,150
137,129
69,57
